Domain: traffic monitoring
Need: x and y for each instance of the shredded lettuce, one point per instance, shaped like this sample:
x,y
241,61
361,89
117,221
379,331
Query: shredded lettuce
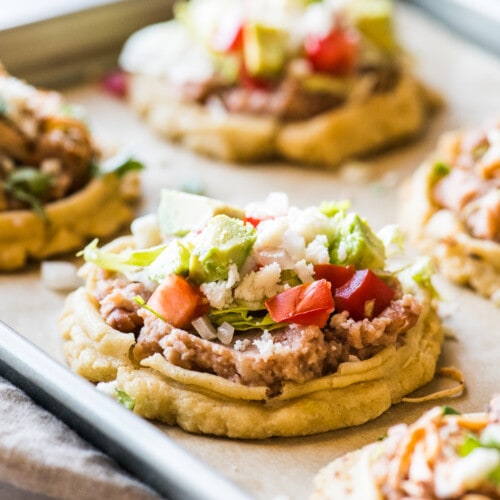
x,y
124,261
331,208
470,443
124,399
393,239
242,319
422,272
141,302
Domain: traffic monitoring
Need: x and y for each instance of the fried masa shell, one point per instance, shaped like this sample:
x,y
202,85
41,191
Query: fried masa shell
x,y
106,201
209,404
353,129
461,258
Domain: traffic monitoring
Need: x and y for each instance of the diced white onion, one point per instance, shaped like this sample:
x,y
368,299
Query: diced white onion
x,y
225,333
59,275
204,328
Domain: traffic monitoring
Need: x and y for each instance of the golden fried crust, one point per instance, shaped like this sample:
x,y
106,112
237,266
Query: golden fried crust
x,y
208,404
355,129
439,233
99,210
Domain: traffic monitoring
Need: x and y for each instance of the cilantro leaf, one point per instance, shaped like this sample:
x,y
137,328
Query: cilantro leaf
x,y
119,165
29,185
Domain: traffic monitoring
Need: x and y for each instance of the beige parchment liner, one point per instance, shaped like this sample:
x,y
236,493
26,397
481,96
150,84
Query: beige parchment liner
x,y
100,209
355,128
469,78
209,404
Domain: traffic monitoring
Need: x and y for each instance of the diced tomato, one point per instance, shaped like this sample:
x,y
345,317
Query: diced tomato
x,y
336,274
228,36
179,302
254,221
307,304
334,53
365,295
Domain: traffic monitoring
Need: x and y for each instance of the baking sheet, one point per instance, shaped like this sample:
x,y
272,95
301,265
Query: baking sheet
x,y
470,81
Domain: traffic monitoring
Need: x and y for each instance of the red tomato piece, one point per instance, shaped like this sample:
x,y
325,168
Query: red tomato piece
x,y
178,301
333,53
255,221
307,304
229,35
365,295
336,274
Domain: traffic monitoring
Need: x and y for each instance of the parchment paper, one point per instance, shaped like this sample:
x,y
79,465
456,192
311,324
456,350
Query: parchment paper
x,y
469,80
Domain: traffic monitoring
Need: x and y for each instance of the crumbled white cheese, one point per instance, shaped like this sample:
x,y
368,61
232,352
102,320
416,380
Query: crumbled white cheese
x,y
275,205
304,271
267,347
242,344
219,293
317,250
309,222
259,285
270,233
294,245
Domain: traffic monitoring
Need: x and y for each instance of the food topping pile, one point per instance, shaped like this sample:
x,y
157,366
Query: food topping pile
x,y
46,149
444,454
257,296
292,59
466,180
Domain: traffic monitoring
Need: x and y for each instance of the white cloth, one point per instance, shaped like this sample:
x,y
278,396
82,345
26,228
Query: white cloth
x,y
40,454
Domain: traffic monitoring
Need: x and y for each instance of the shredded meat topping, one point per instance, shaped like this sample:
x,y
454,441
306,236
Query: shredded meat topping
x,y
422,461
35,133
471,189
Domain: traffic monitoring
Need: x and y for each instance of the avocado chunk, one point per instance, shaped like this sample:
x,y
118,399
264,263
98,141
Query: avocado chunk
x,y
181,212
373,18
173,260
222,242
355,243
265,49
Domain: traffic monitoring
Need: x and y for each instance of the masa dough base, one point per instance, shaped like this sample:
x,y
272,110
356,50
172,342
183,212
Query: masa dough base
x,y
354,129
98,210
439,233
205,403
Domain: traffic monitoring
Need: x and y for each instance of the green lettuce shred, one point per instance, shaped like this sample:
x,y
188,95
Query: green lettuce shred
x,y
422,272
119,165
125,399
127,260
243,320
